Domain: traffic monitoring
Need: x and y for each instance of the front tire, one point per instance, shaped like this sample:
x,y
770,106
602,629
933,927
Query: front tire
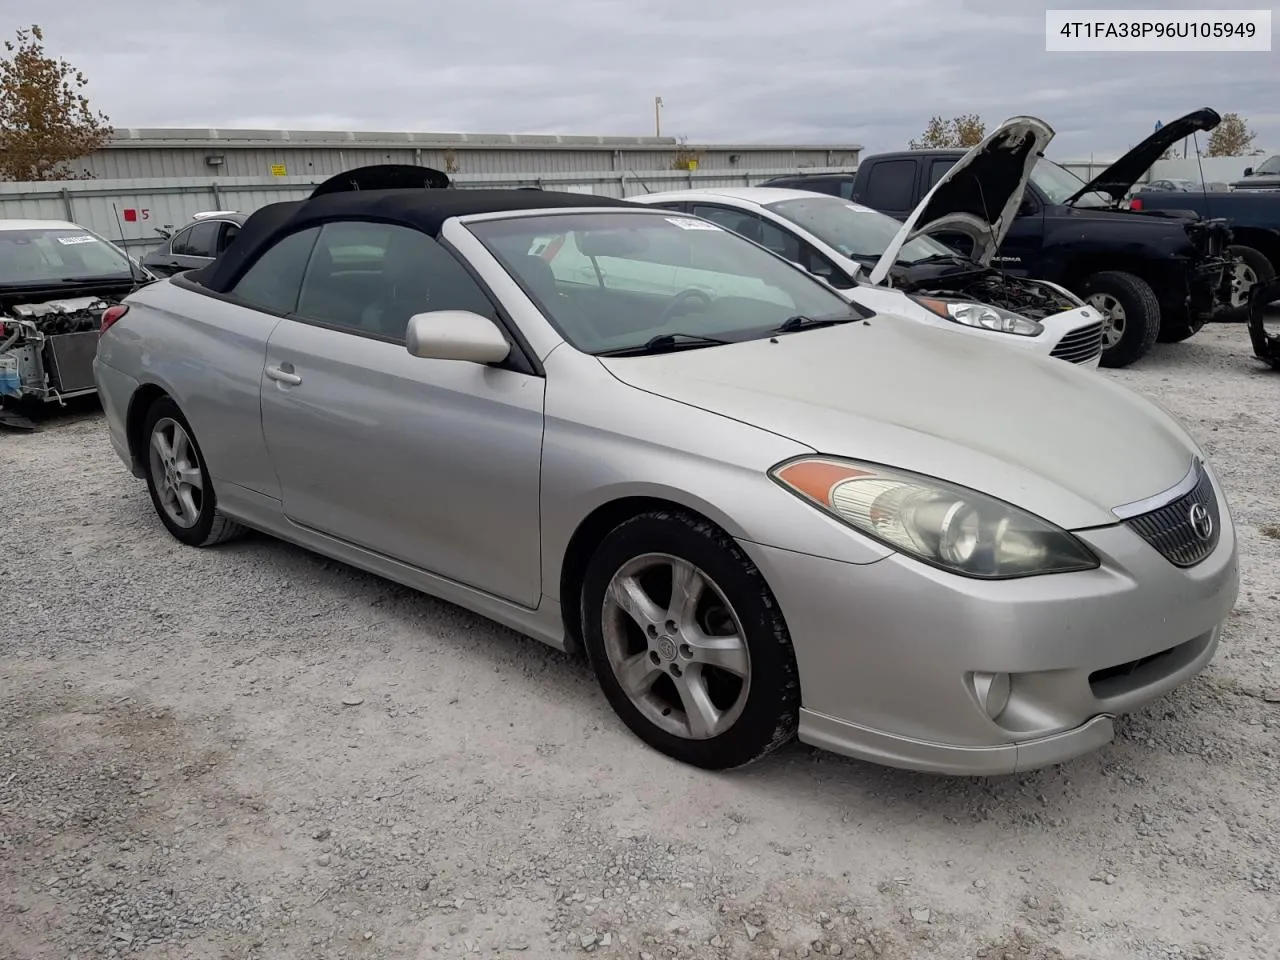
x,y
688,643
1251,268
178,481
1131,315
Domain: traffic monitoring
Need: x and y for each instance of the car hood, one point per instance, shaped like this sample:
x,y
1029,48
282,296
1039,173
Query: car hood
x,y
980,195
1118,179
1064,443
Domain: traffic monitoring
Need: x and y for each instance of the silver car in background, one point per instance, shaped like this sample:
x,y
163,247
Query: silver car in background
x,y
759,509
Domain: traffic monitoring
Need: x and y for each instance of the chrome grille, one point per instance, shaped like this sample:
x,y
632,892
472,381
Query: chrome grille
x,y
1080,345
1170,529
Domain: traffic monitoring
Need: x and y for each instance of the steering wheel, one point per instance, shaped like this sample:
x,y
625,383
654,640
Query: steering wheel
x,y
679,300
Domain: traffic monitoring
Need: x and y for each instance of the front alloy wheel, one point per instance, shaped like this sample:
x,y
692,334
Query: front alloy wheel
x,y
688,643
675,645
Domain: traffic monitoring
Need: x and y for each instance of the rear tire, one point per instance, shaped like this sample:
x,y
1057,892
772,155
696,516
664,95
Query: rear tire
x,y
1131,315
178,481
711,682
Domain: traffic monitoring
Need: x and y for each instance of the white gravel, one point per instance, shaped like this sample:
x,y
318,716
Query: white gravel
x,y
252,752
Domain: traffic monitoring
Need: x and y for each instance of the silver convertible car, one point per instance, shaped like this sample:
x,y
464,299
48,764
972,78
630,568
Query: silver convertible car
x,y
760,510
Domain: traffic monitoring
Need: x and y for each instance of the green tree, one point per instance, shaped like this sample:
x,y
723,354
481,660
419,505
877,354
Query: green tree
x,y
965,131
45,118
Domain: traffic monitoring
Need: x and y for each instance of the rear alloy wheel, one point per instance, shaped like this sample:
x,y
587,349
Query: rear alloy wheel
x,y
1131,315
180,487
1250,268
688,643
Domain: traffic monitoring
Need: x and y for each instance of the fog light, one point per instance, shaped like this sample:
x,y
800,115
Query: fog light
x,y
992,690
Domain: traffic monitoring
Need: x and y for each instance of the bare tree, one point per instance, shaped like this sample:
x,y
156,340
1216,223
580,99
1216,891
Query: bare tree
x,y
1232,138
965,130
45,117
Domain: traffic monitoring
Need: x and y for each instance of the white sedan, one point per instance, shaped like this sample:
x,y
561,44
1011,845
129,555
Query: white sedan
x,y
839,240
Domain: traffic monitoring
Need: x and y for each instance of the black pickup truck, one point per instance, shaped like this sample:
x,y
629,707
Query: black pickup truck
x,y
1265,176
1155,274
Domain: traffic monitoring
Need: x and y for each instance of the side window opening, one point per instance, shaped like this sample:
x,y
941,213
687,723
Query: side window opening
x,y
273,281
371,278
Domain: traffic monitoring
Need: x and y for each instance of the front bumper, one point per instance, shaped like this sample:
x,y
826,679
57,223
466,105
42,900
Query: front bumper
x,y
887,651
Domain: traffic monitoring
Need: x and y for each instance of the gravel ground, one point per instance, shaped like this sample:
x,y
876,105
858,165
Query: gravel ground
x,y
252,752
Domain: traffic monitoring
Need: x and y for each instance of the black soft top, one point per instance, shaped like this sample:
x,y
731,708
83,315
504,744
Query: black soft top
x,y
424,210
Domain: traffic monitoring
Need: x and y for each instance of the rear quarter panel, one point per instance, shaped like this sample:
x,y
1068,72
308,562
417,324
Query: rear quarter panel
x,y
207,354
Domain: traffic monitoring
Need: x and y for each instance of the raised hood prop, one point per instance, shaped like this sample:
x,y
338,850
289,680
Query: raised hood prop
x,y
980,195
385,176
1119,178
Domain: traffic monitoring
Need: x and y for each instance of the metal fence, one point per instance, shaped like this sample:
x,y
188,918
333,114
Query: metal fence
x,y
130,211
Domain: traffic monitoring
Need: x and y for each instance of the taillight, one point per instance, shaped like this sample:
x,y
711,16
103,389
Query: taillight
x,y
111,315
1135,203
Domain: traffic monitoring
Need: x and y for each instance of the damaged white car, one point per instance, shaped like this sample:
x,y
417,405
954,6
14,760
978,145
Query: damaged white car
x,y
903,268
57,279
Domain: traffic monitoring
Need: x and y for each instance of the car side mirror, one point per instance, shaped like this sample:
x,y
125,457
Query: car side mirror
x,y
1248,171
456,335
1027,207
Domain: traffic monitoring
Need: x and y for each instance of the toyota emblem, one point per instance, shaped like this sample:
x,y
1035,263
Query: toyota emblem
x,y
1201,522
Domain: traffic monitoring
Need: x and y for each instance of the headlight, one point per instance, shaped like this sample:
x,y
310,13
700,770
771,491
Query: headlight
x,y
946,525
983,316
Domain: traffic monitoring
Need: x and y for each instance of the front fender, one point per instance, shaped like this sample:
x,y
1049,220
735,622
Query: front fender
x,y
624,442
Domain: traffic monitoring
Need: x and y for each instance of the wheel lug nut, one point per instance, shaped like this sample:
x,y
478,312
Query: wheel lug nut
x,y
672,626
675,670
654,658
651,630
686,651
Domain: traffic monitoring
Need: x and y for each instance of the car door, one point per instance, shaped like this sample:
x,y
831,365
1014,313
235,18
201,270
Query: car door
x,y
434,463
224,342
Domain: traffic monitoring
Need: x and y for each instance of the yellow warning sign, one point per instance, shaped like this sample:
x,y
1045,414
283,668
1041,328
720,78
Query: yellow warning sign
x,y
278,170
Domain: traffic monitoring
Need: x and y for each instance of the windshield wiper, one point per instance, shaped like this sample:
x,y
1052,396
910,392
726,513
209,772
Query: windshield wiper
x,y
107,278
664,342
935,258
801,322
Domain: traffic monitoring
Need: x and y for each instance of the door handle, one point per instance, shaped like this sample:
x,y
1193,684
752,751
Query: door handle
x,y
284,376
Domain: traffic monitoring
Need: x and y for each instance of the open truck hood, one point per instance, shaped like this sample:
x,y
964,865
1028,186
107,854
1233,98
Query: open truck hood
x,y
980,195
1118,179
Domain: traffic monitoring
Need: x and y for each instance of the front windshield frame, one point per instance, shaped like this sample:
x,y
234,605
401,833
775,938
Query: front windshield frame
x,y
756,290
61,255
1064,183
874,225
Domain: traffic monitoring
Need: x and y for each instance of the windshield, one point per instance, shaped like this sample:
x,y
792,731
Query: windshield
x,y
1058,184
856,231
1269,165
57,254
615,281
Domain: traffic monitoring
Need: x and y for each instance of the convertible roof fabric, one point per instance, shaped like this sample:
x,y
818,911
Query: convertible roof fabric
x,y
425,210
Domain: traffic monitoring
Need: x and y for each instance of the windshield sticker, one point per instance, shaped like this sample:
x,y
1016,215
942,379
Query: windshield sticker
x,y
859,207
685,223
81,238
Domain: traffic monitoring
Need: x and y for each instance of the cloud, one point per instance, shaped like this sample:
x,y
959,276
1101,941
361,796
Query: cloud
x,y
812,71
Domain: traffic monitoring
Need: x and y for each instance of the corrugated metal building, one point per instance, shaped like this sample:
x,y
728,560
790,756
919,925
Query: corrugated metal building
x,y
151,153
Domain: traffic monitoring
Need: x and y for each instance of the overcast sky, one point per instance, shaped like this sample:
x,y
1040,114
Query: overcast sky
x,y
840,71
